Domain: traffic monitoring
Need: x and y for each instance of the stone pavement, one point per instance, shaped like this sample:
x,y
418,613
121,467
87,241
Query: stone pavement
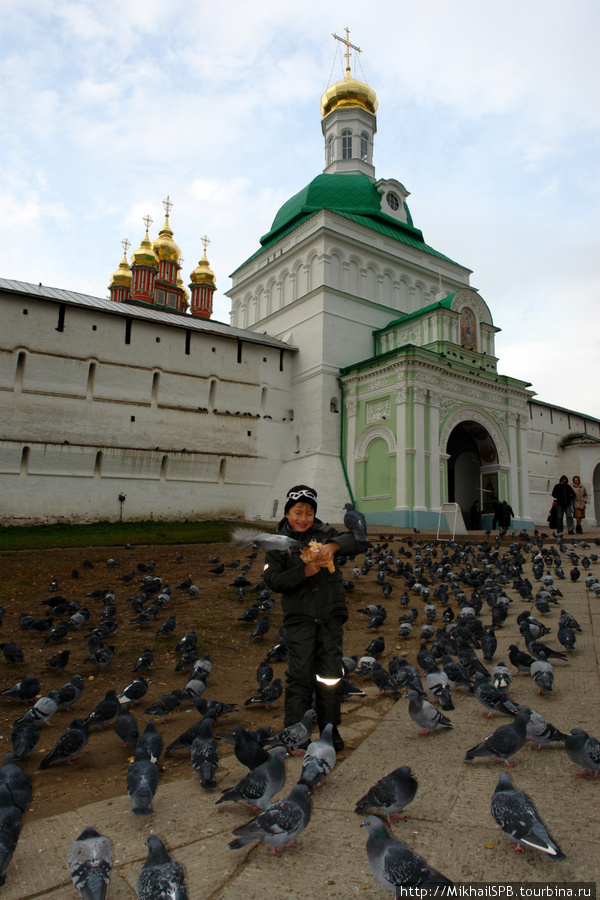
x,y
449,822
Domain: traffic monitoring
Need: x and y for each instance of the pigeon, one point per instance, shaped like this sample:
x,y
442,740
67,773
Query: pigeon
x,y
90,860
187,642
376,647
405,674
186,739
268,695
456,674
24,739
492,698
247,749
165,704
194,689
134,691
141,783
202,668
261,628
144,661
278,825
259,785
102,657
319,759
520,660
246,537
501,676
567,637
504,741
150,742
439,684
393,863
17,781
104,711
294,735
391,794
583,750
356,523
25,690
10,829
69,745
383,681
42,711
513,811
126,727
161,878
187,659
542,672
167,627
541,732
70,692
424,714
205,755
59,661
12,653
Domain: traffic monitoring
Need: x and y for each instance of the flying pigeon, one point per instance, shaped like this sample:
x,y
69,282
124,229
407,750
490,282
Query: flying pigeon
x,y
391,794
504,741
69,745
90,860
424,714
584,750
319,759
278,825
141,783
246,537
161,878
205,755
259,785
393,863
514,812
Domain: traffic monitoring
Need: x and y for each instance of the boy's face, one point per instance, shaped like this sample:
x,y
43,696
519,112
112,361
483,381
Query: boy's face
x,y
300,516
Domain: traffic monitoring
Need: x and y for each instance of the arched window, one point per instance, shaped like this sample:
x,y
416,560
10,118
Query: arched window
x,y
364,146
346,144
330,150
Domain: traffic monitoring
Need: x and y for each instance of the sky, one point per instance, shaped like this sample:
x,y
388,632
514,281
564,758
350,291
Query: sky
x,y
489,114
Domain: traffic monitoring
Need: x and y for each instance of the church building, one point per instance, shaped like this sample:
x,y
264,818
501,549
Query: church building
x,y
358,360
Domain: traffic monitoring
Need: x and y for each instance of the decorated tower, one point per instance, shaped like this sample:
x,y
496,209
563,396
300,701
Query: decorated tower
x,y
120,283
167,292
202,286
144,268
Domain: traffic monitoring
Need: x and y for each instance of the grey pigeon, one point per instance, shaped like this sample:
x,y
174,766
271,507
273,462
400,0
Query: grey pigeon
x,y
259,785
294,735
542,672
268,695
17,781
141,783
492,698
393,863
186,739
541,732
24,739
42,711
356,523
90,860
425,715
391,794
25,690
205,755
69,745
150,742
165,704
383,681
278,825
70,692
501,676
245,537
514,812
134,691
104,711
247,749
584,750
319,759
504,741
161,878
126,727
439,684
10,829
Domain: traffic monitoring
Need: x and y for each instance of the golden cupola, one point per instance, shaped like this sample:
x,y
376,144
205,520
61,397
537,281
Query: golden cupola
x,y
349,92
122,275
145,255
203,285
164,246
203,274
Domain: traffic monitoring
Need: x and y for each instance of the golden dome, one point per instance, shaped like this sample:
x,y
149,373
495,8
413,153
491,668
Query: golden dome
x,y
203,274
349,92
186,293
164,246
145,255
121,277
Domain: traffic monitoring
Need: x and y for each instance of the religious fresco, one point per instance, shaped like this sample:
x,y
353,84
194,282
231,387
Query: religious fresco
x,y
468,329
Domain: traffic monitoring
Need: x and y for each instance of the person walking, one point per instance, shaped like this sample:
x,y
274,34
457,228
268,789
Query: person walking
x,y
564,495
579,502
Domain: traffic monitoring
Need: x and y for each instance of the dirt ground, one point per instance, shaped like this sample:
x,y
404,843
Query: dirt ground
x,y
214,613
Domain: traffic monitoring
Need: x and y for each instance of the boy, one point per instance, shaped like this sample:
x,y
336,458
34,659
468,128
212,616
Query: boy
x,y
314,610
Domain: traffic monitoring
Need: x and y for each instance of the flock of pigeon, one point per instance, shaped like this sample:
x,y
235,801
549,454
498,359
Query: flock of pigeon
x,y
443,588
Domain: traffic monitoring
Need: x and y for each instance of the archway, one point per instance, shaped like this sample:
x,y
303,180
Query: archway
x,y
472,467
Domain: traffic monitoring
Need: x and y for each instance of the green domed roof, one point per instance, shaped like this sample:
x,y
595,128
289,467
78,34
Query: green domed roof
x,y
353,196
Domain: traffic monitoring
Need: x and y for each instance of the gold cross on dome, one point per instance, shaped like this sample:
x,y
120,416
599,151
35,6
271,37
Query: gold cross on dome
x,y
205,241
168,205
125,245
148,221
346,41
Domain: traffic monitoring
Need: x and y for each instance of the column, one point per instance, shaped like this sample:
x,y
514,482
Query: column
x,y
419,395
434,449
401,445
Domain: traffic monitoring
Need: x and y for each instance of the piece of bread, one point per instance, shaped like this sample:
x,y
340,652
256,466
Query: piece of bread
x,y
307,554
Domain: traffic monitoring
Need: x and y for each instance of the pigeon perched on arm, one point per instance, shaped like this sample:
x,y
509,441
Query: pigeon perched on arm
x,y
319,759
514,812
391,794
278,825
258,787
90,861
161,877
393,863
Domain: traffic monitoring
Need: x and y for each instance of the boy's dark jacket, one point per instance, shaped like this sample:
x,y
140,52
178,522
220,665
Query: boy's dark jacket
x,y
321,596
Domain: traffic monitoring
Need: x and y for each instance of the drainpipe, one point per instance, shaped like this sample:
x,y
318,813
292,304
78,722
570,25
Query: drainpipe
x,y
342,421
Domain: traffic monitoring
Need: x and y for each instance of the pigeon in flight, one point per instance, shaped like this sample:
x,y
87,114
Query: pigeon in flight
x,y
247,537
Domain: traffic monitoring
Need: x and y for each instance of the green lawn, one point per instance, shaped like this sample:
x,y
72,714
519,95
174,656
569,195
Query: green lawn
x,y
112,534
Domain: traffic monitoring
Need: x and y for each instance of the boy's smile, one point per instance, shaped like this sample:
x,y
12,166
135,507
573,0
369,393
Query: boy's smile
x,y
301,517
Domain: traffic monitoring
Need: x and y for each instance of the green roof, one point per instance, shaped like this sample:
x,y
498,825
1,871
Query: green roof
x,y
446,303
353,196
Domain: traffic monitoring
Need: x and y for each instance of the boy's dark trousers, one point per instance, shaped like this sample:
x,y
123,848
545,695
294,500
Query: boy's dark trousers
x,y
314,649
